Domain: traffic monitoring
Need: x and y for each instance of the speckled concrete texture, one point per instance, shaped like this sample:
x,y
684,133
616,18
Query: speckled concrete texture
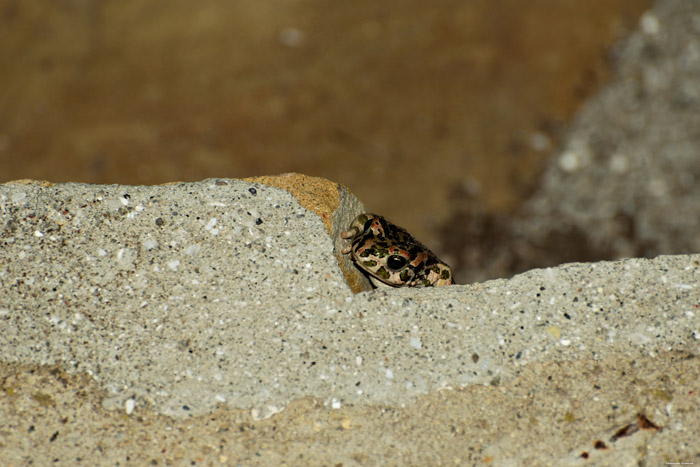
x,y
194,300
627,176
623,183
189,270
334,204
552,414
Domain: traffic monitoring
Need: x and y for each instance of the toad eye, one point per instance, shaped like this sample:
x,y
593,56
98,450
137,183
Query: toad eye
x,y
395,262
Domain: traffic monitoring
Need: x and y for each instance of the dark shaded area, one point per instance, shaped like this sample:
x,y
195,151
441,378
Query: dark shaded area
x,y
489,245
492,245
623,181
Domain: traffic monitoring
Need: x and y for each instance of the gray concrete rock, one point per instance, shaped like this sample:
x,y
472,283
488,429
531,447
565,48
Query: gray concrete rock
x,y
628,173
180,298
624,182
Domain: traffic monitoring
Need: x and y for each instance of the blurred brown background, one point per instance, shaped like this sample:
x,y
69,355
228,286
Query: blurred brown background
x,y
405,102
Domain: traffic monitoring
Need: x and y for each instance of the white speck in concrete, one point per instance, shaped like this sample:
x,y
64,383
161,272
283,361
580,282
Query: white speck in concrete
x,y
174,264
18,197
569,161
38,234
336,404
266,412
415,343
210,226
639,338
193,249
619,164
101,252
129,406
150,244
649,23
389,374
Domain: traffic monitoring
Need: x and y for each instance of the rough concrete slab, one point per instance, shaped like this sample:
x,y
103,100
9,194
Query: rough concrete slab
x,y
194,300
190,271
552,414
624,182
627,175
334,204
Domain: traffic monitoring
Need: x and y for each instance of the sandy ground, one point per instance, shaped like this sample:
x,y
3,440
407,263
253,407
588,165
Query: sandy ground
x,y
551,415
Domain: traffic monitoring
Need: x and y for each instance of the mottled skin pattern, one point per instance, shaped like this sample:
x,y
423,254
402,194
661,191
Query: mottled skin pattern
x,y
391,256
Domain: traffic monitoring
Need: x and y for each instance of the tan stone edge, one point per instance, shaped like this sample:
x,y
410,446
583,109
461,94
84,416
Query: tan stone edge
x,y
333,203
29,181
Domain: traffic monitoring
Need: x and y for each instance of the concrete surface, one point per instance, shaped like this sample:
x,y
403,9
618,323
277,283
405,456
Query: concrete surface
x,y
628,174
334,204
210,322
624,182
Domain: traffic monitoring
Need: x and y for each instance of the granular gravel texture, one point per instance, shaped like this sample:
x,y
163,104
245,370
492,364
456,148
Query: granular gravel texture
x,y
628,173
625,181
